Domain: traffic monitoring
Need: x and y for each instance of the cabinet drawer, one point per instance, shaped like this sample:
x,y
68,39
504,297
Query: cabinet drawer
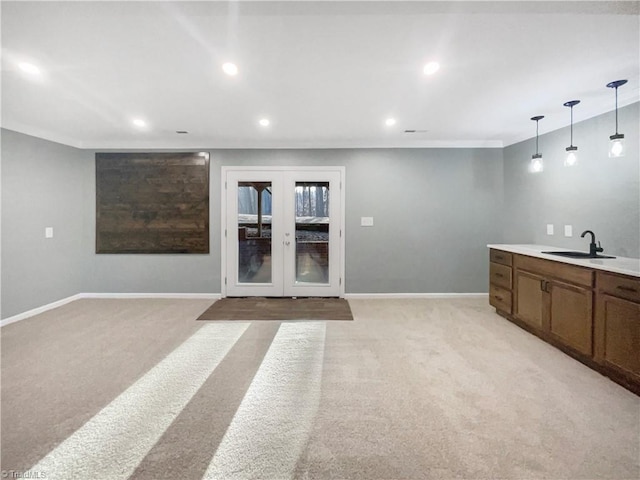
x,y
562,271
618,286
500,275
500,298
498,256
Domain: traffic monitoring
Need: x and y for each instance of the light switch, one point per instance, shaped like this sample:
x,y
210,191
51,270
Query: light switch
x,y
366,221
568,231
549,228
48,232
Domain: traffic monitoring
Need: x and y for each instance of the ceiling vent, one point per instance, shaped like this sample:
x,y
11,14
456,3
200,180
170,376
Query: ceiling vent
x,y
181,132
415,131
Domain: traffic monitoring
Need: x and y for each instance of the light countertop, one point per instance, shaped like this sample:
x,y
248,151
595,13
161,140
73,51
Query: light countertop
x,y
622,265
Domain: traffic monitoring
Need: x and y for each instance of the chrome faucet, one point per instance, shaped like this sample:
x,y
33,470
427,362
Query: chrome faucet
x,y
593,248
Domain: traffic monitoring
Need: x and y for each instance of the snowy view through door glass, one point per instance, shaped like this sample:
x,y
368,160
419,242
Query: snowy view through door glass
x,y
254,232
312,232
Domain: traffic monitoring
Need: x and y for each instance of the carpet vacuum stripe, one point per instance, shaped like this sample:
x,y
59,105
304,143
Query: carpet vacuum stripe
x,y
116,439
186,448
273,423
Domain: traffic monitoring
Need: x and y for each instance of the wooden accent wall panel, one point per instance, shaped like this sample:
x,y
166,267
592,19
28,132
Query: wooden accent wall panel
x,y
152,202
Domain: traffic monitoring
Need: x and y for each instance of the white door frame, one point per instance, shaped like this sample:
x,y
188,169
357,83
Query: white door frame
x,y
224,214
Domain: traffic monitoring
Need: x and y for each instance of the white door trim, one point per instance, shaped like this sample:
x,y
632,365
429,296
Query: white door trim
x,y
275,287
224,212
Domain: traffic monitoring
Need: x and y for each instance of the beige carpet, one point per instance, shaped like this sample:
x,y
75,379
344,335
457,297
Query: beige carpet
x,y
411,389
261,308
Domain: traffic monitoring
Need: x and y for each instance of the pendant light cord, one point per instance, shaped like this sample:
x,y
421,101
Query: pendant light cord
x,y
616,110
537,121
572,125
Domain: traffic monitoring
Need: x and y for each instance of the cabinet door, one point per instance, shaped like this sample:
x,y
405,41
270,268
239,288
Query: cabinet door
x,y
570,319
529,298
617,334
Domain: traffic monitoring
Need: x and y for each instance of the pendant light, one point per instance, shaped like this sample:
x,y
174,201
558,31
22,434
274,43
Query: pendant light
x,y
616,147
572,151
536,165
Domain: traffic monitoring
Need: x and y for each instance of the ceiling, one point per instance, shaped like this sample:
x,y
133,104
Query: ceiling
x,y
326,74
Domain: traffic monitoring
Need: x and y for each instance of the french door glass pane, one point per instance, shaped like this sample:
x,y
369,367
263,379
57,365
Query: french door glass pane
x,y
312,232
254,232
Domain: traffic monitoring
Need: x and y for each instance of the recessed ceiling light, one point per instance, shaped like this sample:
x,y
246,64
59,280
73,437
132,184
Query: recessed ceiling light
x,y
29,68
138,122
390,122
431,68
230,69
264,122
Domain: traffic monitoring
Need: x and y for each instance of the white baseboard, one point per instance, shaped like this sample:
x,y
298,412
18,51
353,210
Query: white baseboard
x,y
372,296
206,296
78,296
218,296
42,309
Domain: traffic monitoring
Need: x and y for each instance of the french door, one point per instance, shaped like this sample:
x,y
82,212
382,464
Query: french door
x,y
282,232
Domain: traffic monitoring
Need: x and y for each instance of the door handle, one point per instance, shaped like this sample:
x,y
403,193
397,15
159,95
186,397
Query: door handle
x,y
626,289
544,285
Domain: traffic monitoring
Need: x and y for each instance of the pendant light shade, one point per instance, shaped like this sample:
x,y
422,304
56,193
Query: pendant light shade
x,y
616,145
571,159
536,165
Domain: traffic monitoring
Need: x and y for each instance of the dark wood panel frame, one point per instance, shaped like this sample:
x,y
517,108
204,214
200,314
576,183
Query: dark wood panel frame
x,y
152,202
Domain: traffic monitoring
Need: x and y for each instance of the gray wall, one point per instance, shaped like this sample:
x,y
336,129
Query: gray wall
x,y
149,273
601,193
44,184
435,210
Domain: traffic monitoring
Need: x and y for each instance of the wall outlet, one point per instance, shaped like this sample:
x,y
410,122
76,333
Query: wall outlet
x,y
549,228
568,231
366,221
48,232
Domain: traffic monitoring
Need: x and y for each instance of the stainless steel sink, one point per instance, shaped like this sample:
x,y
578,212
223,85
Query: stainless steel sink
x,y
578,254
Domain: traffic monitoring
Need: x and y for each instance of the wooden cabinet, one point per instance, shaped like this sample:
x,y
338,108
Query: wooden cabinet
x,y
617,324
500,280
530,301
590,314
555,299
503,258
571,315
500,298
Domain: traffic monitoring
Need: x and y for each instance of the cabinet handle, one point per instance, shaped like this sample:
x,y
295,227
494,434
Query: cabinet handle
x,y
499,257
542,285
499,275
627,289
497,297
